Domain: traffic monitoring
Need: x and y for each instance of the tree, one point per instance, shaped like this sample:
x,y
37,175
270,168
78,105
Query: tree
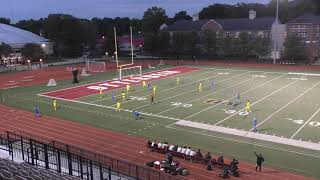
x,y
5,20
209,42
5,49
31,25
163,41
32,52
182,15
244,44
191,40
153,18
261,46
178,42
293,49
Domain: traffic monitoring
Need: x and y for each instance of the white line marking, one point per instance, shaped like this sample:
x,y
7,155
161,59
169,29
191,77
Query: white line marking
x,y
245,142
305,123
258,101
192,90
278,77
309,89
208,95
151,81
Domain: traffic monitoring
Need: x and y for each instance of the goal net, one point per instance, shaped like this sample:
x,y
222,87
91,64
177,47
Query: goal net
x,y
134,71
96,66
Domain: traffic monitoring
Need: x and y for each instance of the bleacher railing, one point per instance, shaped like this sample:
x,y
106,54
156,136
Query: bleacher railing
x,y
67,159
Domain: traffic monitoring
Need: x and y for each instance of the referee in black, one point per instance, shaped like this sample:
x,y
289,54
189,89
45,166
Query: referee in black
x,y
260,160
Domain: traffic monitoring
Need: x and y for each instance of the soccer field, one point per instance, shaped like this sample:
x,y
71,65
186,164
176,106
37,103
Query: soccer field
x,y
286,105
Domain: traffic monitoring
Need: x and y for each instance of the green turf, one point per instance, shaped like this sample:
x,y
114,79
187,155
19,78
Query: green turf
x,y
277,100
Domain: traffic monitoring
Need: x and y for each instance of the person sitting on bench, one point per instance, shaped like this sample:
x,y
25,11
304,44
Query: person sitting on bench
x,y
188,151
171,147
175,148
184,149
199,154
179,149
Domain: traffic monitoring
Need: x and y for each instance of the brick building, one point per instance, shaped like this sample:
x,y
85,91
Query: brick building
x,y
307,27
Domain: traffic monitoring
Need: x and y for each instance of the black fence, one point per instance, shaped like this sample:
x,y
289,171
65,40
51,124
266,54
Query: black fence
x,y
66,159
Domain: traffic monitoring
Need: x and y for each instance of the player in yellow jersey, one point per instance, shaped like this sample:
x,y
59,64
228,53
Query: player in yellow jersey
x,y
178,80
101,91
248,106
118,106
144,84
54,103
154,89
128,88
200,87
123,96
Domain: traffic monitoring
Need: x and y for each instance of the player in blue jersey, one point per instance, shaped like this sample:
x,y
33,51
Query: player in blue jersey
x,y
254,124
37,111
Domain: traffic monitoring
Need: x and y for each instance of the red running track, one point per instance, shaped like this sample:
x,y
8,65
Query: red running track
x,y
121,146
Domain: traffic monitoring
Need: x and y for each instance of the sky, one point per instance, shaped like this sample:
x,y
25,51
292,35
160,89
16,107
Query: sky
x,y
27,9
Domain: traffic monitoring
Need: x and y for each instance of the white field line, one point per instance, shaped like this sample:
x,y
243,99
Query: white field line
x,y
190,91
110,107
246,142
274,92
275,72
216,92
305,123
144,89
278,77
306,91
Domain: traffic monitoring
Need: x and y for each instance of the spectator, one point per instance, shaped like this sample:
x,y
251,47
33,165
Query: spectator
x,y
188,151
221,160
159,145
210,166
175,148
164,145
207,157
184,149
260,160
192,153
199,154
179,149
169,158
171,147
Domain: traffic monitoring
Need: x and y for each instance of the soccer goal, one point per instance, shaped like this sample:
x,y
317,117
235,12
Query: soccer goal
x,y
96,66
134,71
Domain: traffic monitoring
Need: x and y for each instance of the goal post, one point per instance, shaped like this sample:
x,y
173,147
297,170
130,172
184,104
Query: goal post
x,y
130,71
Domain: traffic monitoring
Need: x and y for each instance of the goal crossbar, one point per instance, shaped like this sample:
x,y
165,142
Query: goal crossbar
x,y
132,69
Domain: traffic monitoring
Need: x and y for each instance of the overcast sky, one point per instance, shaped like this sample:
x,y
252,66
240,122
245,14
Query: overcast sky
x,y
26,9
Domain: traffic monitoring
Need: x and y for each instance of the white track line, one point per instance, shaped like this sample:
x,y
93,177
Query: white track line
x,y
306,91
191,91
258,101
278,77
246,142
216,92
151,81
305,123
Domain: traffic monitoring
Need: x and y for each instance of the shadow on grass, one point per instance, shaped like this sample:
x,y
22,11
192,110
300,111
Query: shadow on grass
x,y
265,129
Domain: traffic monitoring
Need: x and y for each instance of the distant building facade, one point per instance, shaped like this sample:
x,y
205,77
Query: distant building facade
x,y
307,27
17,39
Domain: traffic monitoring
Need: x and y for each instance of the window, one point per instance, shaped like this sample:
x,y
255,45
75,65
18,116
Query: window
x,y
318,31
227,34
303,44
300,32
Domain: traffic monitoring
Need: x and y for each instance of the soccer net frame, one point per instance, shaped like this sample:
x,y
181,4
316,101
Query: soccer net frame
x,y
133,71
95,66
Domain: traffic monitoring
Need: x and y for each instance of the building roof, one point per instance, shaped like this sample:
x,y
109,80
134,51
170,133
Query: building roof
x,y
306,18
246,24
227,24
18,37
188,25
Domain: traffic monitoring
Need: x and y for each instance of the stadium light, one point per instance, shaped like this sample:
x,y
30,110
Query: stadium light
x,y
40,60
43,45
102,37
28,61
107,53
